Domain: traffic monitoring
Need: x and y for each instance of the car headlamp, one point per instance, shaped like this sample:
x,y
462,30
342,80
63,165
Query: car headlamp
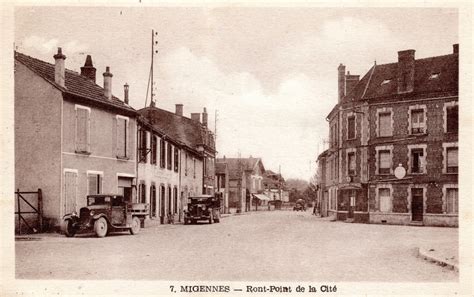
x,y
203,207
74,213
92,213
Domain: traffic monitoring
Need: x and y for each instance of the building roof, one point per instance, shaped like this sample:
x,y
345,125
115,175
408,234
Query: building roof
x,y
75,83
189,132
381,80
221,168
238,165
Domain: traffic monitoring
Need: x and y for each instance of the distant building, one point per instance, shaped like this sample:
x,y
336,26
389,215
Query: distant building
x,y
222,184
175,160
72,137
393,153
275,187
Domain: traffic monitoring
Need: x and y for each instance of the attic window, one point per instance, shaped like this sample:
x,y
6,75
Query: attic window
x,y
434,75
385,81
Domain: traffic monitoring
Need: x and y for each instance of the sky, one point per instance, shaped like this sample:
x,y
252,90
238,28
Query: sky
x,y
270,74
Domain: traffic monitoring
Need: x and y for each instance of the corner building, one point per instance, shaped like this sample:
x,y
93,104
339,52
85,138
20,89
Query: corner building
x,y
393,153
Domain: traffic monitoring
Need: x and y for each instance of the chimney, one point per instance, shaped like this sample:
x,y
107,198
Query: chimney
x,y
406,71
179,109
196,117
204,117
125,93
456,48
108,83
59,68
351,81
88,70
341,82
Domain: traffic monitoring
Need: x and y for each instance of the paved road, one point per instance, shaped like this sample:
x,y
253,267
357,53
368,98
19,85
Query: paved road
x,y
263,246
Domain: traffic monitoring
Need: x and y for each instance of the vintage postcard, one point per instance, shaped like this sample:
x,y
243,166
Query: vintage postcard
x,y
236,148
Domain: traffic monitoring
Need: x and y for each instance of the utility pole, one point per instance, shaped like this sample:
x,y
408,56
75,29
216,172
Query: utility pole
x,y
151,82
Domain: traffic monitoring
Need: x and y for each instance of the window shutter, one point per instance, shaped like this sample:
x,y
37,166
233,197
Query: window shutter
x,y
82,125
384,197
384,159
385,124
452,157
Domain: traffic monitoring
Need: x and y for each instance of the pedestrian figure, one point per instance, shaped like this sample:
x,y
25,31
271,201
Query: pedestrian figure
x,y
170,218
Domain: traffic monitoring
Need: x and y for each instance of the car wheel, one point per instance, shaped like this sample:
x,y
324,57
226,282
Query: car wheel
x,y
100,227
69,229
186,221
135,226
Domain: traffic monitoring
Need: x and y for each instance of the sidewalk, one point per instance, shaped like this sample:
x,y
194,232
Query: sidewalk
x,y
443,256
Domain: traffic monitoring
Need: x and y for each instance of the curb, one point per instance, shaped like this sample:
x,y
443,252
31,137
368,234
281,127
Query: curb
x,y
425,254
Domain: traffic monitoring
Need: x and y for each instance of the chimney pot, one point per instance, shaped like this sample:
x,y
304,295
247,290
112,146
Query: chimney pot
x,y
125,93
456,48
179,109
204,117
108,83
88,70
60,68
406,71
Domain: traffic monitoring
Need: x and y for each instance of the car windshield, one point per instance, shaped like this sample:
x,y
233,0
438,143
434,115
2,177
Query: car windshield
x,y
98,200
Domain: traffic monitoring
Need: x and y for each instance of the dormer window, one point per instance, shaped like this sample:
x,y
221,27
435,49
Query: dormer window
x,y
385,81
434,75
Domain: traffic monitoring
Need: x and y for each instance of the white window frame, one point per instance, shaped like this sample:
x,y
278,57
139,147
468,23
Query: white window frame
x,y
349,115
446,146
127,137
377,197
94,172
416,107
424,159
377,127
76,107
445,197
445,114
377,161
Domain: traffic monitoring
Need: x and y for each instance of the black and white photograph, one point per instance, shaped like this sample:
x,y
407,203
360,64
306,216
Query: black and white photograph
x,y
159,148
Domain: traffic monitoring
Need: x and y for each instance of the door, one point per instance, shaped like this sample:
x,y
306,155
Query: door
x,y
153,201
417,204
70,186
352,203
125,187
162,204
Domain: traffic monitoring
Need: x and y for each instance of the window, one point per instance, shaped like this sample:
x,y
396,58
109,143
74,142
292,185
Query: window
x,y
142,193
153,144
351,129
169,156
351,164
153,201
82,129
385,81
162,153
122,137
175,199
142,143
185,164
452,160
176,159
94,183
417,121
170,205
434,76
194,168
452,119
451,200
417,160
384,161
385,124
384,199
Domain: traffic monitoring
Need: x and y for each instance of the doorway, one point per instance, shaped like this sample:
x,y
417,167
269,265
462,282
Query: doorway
x,y
417,204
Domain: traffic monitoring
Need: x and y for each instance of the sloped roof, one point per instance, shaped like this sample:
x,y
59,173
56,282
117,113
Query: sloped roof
x,y
75,83
187,131
238,165
371,85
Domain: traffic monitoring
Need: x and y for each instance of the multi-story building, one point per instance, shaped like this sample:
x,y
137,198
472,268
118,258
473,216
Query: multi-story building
x,y
393,154
245,180
275,187
72,137
222,185
175,154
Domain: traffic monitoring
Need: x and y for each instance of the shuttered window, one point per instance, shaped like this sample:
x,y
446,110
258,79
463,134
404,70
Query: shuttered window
x,y
452,200
153,149
384,162
351,164
162,153
142,146
169,156
452,119
82,130
384,199
385,124
452,162
122,137
417,121
176,159
95,183
351,128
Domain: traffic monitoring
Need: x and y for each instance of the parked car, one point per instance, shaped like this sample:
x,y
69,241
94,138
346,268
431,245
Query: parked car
x,y
202,207
300,205
105,213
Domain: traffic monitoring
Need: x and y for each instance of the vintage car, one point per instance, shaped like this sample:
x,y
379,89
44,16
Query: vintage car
x,y
300,205
202,207
105,213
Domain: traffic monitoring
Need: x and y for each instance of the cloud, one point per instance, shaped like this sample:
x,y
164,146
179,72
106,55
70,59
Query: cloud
x,y
47,46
